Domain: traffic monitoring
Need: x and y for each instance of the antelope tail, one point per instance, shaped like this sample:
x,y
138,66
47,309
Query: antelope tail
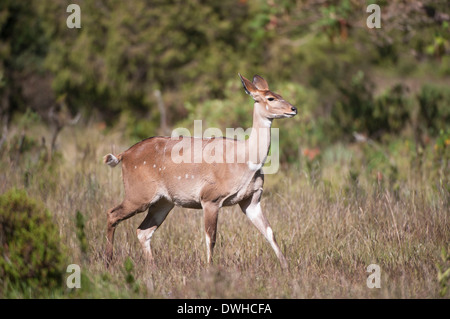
x,y
112,160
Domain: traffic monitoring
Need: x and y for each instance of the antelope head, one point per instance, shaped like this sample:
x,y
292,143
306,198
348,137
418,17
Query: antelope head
x,y
268,104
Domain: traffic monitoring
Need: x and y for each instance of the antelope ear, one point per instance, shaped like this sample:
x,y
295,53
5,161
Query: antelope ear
x,y
249,87
260,83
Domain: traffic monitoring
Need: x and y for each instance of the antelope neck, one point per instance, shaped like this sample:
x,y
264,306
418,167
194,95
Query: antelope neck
x,y
258,143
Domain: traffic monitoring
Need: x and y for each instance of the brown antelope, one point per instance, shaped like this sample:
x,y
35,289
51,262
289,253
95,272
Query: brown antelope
x,y
153,181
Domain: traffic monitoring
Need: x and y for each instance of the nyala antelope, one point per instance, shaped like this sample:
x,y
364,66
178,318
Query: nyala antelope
x,y
153,182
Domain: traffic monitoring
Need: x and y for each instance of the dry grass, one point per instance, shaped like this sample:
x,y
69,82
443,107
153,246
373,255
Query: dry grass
x,y
329,235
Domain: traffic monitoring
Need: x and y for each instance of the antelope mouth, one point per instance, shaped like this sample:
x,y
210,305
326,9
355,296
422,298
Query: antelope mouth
x,y
292,114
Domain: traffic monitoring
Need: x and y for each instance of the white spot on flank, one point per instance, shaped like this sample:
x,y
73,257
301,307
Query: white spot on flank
x,y
145,162
164,168
187,175
160,168
135,167
154,165
179,177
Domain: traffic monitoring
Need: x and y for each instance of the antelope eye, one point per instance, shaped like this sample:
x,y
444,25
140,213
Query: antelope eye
x,y
271,99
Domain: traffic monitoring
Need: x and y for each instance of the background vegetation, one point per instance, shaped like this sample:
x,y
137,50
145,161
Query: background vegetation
x,y
365,164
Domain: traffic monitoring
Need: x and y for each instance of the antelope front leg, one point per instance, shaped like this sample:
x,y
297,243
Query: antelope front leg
x,y
252,208
211,212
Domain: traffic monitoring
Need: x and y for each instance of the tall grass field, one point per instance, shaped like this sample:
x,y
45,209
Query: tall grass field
x,y
332,215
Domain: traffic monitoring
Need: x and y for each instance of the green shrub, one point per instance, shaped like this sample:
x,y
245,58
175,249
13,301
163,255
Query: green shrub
x,y
434,113
360,110
81,233
392,110
354,110
443,272
31,258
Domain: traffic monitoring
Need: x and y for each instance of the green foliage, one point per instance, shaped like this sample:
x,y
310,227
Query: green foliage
x,y
333,19
353,189
128,271
81,234
22,50
236,105
139,128
390,84
442,160
392,110
313,165
31,253
353,112
146,47
192,53
434,111
360,111
443,272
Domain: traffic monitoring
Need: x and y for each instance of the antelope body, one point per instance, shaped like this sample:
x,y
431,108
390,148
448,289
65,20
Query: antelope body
x,y
153,181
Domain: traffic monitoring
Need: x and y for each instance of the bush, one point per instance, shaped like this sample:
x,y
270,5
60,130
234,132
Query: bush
x,y
354,110
31,256
392,110
359,110
434,112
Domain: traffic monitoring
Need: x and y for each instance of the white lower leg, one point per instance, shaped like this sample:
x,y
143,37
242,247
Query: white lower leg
x,y
271,239
145,236
208,248
254,213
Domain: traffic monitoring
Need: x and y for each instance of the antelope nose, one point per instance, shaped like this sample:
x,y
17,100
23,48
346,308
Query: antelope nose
x,y
294,109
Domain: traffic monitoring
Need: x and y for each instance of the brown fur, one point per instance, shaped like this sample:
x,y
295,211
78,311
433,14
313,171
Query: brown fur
x,y
154,182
